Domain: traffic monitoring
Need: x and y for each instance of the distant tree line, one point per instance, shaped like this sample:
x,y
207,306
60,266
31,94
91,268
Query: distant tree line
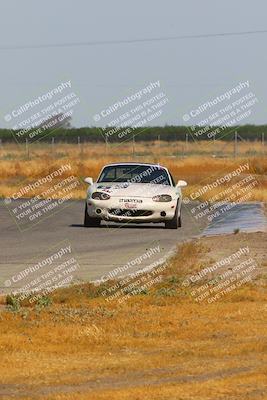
x,y
166,133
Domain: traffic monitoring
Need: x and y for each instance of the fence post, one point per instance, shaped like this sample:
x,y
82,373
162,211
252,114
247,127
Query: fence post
x,y
27,148
52,145
106,142
235,145
133,149
79,144
186,143
82,144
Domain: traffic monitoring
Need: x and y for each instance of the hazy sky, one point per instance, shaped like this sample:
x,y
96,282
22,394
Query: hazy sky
x,y
190,71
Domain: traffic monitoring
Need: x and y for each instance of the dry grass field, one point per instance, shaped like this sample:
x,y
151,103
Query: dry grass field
x,y
160,345
198,164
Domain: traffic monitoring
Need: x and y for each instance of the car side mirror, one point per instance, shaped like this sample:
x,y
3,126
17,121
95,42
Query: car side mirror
x,y
181,184
89,180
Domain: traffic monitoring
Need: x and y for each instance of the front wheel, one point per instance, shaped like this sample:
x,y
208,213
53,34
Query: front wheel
x,y
90,222
176,222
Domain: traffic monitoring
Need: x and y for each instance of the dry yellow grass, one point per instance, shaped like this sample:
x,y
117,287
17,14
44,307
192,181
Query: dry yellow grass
x,y
152,347
198,168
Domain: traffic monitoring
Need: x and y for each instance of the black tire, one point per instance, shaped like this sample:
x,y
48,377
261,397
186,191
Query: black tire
x,y
90,222
176,222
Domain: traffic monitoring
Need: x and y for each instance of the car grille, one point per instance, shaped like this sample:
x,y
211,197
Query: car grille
x,y
130,213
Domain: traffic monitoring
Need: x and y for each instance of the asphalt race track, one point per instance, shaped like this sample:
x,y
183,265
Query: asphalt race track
x,y
97,250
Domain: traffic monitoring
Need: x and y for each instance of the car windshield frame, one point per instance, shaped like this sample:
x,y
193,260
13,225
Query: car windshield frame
x,y
136,174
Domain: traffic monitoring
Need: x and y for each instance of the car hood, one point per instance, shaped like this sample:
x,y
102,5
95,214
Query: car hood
x,y
133,189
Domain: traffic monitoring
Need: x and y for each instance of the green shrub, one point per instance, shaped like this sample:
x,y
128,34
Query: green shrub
x,y
12,302
166,292
44,301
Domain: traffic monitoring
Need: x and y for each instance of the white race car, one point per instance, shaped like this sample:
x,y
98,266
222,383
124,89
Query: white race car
x,y
133,192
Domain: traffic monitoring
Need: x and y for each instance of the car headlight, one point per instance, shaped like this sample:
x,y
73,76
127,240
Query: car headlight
x,y
100,196
162,198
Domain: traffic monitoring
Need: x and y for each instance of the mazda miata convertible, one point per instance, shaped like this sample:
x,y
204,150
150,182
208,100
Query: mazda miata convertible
x,y
134,193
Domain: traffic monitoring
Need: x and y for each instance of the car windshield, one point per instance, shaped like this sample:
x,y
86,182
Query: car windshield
x,y
135,174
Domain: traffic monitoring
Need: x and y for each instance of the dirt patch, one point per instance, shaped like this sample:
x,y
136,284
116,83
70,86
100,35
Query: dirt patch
x,y
154,377
222,246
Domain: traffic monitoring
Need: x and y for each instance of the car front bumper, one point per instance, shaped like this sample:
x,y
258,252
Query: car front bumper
x,y
147,211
